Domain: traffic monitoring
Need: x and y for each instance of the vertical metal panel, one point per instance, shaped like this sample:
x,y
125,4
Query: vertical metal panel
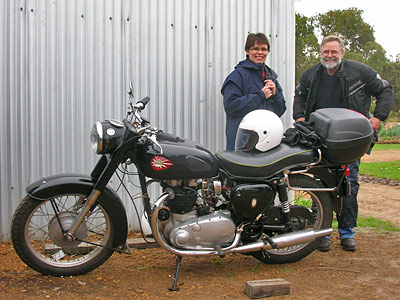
x,y
66,64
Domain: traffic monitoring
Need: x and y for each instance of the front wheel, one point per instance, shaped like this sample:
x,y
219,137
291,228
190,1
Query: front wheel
x,y
318,215
39,241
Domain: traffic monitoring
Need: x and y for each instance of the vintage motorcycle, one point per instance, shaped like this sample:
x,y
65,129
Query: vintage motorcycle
x,y
273,205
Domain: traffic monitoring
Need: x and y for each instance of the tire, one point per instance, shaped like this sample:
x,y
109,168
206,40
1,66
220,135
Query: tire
x,y
322,212
38,240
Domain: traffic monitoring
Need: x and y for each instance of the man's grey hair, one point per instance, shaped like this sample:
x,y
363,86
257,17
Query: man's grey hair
x,y
332,38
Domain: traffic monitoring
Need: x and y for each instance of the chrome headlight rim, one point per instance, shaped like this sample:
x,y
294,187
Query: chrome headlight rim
x,y
96,137
106,136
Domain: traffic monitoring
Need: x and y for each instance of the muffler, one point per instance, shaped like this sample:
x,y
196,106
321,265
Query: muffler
x,y
285,240
281,241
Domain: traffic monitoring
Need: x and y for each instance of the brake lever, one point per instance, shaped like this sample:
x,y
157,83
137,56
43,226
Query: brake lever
x,y
153,138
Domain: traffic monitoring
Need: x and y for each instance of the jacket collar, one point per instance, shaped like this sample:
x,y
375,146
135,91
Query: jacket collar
x,y
339,72
248,64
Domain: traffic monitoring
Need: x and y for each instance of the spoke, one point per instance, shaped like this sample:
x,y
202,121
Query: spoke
x,y
51,246
34,228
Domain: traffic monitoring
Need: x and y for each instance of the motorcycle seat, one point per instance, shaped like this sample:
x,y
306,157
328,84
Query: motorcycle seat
x,y
252,164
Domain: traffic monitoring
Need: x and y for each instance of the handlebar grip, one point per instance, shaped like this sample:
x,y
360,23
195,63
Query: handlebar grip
x,y
144,101
168,137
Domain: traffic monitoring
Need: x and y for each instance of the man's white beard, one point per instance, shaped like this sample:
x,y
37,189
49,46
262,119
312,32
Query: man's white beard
x,y
331,64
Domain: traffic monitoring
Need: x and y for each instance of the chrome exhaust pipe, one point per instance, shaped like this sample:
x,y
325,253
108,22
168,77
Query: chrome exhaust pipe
x,y
286,240
281,241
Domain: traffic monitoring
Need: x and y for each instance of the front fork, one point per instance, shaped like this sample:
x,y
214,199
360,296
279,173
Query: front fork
x,y
101,175
94,195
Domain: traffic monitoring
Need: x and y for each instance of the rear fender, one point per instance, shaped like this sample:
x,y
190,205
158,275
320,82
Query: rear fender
x,y
330,180
51,186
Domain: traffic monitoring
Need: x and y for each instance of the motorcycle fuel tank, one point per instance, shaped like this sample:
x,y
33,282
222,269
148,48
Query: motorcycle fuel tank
x,y
179,160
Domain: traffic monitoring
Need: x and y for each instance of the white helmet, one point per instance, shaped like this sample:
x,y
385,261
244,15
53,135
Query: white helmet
x,y
260,129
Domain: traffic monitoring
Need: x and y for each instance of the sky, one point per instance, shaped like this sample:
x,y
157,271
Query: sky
x,y
382,15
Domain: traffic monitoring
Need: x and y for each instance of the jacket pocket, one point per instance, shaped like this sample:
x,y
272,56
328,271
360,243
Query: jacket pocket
x,y
360,101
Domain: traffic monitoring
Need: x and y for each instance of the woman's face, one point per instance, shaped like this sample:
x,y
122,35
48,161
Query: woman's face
x,y
258,53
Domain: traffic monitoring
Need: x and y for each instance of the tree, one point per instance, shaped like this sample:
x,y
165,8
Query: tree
x,y
349,25
391,73
307,47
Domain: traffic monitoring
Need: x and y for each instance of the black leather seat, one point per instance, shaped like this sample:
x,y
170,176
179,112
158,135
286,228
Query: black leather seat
x,y
254,164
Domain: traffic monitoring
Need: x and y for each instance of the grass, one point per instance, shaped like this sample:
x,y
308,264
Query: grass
x,y
380,147
372,223
376,223
387,169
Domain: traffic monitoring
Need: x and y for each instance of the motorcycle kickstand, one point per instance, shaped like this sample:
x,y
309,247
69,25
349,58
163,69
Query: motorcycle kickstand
x,y
177,268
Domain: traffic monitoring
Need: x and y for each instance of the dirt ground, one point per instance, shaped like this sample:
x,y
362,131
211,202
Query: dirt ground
x,y
371,272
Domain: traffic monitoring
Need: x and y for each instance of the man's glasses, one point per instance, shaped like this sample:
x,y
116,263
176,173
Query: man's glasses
x,y
332,52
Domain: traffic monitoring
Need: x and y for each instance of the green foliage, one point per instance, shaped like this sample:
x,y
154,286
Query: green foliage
x,y
387,169
359,42
389,133
372,223
391,72
307,46
376,224
379,147
349,25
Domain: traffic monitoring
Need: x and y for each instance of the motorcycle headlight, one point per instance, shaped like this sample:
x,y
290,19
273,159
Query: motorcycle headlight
x,y
107,136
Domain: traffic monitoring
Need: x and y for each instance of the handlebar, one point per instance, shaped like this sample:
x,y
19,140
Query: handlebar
x,y
168,137
142,103
142,127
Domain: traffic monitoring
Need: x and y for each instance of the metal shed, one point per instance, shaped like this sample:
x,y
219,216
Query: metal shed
x,y
66,64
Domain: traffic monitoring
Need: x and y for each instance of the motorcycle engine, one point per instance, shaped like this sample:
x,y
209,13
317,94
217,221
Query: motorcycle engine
x,y
188,231
186,227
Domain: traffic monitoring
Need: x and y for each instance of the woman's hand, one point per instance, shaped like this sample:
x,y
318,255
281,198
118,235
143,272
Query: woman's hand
x,y
269,88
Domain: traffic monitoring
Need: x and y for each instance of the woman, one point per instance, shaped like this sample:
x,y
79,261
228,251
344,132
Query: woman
x,y
252,85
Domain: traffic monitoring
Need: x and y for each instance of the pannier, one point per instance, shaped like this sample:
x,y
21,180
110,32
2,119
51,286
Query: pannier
x,y
346,135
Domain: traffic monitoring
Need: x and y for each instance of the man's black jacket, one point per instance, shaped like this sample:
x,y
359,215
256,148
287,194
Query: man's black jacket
x,y
359,83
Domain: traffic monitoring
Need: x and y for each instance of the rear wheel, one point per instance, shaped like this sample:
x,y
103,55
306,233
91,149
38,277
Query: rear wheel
x,y
312,210
39,241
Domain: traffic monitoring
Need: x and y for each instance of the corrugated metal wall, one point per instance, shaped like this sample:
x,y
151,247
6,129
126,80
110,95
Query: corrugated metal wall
x,y
66,64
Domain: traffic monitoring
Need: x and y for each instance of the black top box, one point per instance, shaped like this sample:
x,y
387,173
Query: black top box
x,y
346,135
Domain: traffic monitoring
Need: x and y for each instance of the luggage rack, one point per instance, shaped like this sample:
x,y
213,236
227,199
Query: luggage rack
x,y
288,172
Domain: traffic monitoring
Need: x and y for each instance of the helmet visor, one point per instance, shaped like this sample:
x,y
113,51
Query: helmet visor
x,y
246,139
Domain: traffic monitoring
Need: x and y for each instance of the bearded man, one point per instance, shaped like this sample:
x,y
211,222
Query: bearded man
x,y
335,82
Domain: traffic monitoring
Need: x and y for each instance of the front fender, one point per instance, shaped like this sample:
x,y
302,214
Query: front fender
x,y
46,187
51,186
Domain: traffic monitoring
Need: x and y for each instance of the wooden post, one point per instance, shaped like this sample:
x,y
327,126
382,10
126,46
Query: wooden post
x,y
266,288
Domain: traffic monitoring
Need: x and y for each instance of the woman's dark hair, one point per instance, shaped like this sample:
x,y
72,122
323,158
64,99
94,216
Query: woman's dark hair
x,y
253,38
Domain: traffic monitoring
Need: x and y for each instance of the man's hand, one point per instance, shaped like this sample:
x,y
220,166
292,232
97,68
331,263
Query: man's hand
x,y
301,120
375,123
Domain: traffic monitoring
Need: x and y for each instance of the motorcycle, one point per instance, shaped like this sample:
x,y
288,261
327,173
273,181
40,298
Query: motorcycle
x,y
273,205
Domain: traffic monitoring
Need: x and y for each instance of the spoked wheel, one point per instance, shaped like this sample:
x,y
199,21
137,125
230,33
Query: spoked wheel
x,y
38,237
310,210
